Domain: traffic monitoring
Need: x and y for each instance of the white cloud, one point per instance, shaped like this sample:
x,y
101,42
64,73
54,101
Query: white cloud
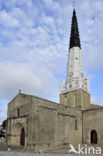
x,y
30,79
7,20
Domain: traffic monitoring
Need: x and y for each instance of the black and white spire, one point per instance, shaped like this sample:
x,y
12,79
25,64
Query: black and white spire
x,y
75,78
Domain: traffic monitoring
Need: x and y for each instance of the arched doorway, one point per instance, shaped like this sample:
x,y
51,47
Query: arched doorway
x,y
22,137
18,137
94,137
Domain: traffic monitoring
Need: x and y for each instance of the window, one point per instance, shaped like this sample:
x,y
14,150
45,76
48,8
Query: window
x,y
76,124
18,111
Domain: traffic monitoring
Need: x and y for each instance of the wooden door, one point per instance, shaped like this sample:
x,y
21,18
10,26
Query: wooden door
x,y
93,137
22,137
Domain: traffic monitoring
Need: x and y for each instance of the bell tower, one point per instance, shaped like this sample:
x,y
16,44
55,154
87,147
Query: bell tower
x,y
75,93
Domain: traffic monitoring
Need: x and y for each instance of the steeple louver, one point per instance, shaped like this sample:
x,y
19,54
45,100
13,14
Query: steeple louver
x,y
74,37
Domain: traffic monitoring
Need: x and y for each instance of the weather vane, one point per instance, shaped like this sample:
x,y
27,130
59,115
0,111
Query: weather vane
x,y
73,4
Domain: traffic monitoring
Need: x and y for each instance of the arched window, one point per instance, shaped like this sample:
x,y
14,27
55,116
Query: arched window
x,y
18,111
76,124
94,137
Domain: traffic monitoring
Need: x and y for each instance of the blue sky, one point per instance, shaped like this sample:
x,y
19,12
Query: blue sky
x,y
34,41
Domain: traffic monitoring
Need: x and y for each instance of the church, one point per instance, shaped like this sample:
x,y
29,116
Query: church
x,y
35,123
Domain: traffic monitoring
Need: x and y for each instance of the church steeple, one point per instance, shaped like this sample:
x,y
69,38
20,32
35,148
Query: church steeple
x,y
74,36
75,78
75,92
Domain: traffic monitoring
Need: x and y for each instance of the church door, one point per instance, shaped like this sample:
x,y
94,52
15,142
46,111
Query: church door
x,y
22,137
93,137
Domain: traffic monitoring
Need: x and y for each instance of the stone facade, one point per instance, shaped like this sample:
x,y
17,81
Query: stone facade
x,y
45,123
49,124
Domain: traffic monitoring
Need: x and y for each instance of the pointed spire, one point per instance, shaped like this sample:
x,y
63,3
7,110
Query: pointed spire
x,y
74,37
